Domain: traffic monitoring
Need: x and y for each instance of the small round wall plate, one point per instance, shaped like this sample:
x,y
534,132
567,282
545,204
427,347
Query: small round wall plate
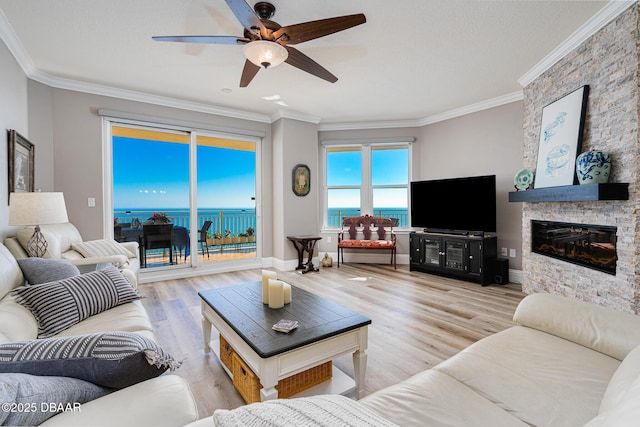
x,y
523,179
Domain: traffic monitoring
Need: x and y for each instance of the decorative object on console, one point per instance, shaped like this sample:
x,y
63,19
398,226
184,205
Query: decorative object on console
x,y
301,180
561,134
593,167
21,163
523,179
327,261
35,209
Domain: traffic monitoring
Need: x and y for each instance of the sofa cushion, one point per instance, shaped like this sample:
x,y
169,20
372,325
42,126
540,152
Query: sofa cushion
x,y
603,329
43,270
61,304
101,248
165,401
322,410
551,381
427,399
29,400
59,238
626,374
108,359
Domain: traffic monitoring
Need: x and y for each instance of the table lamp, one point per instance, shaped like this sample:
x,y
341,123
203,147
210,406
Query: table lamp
x,y
35,209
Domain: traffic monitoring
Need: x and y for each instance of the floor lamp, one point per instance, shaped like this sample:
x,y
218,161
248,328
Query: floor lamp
x,y
35,209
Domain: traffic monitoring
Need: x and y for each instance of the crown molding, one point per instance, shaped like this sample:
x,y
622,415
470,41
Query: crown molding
x,y
451,114
294,115
607,14
15,47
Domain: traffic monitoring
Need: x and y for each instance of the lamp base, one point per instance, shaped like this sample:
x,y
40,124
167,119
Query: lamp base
x,y
37,245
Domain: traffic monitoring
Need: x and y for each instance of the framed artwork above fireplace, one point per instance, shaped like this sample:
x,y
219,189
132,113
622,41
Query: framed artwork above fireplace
x,y
560,141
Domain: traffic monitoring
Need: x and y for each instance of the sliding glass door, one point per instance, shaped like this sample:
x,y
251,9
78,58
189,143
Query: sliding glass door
x,y
188,198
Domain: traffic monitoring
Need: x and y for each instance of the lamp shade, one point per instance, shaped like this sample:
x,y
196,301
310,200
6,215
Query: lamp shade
x,y
37,209
264,53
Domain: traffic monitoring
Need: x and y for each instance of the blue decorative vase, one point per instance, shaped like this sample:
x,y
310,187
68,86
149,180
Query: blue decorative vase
x,y
593,167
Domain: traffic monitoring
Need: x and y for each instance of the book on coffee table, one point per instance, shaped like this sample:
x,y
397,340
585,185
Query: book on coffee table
x,y
285,325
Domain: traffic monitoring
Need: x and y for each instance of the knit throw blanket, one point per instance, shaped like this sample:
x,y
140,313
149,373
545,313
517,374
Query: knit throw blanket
x,y
315,411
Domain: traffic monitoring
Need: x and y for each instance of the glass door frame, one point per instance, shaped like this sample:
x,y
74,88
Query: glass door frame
x,y
193,267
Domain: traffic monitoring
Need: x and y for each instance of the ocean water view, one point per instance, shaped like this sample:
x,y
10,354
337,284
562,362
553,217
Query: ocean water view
x,y
235,221
224,221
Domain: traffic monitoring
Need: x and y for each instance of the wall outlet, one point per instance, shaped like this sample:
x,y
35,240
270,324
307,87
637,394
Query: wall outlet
x,y
329,239
91,202
512,253
504,251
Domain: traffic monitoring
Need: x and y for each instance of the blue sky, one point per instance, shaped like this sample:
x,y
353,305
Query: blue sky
x,y
151,174
344,168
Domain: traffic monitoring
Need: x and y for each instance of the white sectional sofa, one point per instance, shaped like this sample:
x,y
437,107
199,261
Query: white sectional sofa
x,y
65,242
565,363
163,400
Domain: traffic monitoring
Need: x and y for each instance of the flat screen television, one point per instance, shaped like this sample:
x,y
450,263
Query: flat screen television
x,y
456,204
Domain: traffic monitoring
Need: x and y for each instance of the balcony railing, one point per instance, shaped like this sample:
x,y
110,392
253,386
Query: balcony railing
x,y
400,217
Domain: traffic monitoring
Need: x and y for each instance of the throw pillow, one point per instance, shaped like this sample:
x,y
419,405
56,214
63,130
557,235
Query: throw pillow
x,y
101,248
29,400
64,303
43,270
108,359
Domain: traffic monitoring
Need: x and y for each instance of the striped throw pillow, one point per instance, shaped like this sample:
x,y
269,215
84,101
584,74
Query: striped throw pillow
x,y
108,359
101,248
64,303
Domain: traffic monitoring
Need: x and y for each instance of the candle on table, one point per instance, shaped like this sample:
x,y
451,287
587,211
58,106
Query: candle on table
x,y
276,293
266,275
287,293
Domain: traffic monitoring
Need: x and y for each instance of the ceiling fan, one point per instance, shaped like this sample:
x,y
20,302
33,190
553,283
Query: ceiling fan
x,y
267,44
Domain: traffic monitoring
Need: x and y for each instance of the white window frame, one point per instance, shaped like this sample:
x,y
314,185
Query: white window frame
x,y
366,187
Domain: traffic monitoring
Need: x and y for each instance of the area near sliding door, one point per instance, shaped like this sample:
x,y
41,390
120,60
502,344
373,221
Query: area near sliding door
x,y
188,197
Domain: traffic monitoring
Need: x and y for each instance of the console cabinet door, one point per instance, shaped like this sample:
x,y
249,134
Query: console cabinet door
x,y
433,253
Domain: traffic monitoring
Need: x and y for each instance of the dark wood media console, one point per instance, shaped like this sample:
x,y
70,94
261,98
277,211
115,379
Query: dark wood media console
x,y
463,256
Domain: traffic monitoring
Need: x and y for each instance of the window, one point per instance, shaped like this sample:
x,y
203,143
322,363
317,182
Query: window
x,y
367,179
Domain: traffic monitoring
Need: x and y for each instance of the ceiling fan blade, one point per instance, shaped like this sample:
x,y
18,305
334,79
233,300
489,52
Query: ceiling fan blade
x,y
202,39
299,33
246,15
248,73
303,62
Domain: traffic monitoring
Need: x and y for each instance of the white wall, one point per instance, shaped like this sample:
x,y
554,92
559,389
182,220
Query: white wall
x,y
13,115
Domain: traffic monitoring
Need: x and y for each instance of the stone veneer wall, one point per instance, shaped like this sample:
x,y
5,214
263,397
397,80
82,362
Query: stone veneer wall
x,y
609,63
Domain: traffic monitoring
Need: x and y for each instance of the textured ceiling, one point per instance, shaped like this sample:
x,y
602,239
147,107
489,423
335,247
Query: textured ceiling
x,y
411,60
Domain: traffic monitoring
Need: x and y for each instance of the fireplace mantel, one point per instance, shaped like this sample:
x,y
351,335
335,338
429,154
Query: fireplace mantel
x,y
573,193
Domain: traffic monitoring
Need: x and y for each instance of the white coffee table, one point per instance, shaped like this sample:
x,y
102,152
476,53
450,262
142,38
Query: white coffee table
x,y
326,331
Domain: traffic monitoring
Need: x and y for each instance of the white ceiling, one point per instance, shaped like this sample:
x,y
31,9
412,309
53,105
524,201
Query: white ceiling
x,y
411,60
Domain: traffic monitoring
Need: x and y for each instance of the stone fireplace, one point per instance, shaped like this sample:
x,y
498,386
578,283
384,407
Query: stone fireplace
x,y
609,63
588,245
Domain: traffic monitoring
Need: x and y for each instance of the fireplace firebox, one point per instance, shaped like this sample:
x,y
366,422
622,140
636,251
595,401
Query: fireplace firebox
x,y
592,246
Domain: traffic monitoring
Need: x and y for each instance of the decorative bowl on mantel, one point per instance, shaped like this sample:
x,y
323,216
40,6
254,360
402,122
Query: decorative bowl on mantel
x,y
523,179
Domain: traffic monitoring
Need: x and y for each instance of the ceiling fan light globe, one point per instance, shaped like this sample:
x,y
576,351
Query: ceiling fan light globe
x,y
264,53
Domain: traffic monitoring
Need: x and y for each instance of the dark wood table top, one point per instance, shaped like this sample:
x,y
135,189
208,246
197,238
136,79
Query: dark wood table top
x,y
242,309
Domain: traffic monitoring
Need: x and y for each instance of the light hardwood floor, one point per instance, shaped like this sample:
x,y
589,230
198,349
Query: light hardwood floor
x,y
418,321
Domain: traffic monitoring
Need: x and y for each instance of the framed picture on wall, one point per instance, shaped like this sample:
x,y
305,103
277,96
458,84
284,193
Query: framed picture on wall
x,y
21,163
561,134
301,180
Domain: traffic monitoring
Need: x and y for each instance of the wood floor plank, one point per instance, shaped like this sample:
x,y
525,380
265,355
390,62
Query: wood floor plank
x,y
418,319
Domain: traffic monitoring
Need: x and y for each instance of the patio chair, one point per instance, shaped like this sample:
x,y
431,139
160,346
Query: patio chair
x,y
202,237
156,236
